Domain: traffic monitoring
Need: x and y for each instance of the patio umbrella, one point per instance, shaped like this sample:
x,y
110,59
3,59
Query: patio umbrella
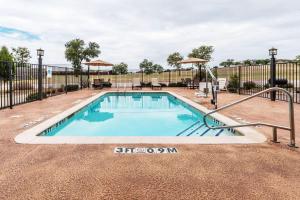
x,y
96,63
192,60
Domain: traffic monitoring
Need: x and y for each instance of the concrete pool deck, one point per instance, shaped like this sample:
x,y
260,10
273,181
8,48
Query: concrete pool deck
x,y
233,171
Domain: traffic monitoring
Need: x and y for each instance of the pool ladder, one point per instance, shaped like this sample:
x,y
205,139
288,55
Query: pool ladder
x,y
291,127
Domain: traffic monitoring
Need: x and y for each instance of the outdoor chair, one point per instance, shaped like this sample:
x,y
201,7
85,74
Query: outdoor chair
x,y
97,84
155,84
187,81
136,83
222,84
106,83
193,84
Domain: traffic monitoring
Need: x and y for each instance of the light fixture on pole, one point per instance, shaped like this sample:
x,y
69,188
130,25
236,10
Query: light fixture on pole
x,y
273,51
40,52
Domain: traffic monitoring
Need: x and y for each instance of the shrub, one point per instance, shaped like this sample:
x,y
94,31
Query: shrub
x,y
267,85
71,88
281,82
178,84
233,84
50,91
107,84
172,84
144,84
60,90
288,85
249,85
35,96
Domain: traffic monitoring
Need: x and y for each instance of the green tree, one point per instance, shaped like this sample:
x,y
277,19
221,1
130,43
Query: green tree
x,y
261,61
21,54
149,68
6,56
76,52
146,66
158,68
237,63
298,58
227,63
202,52
233,84
174,59
121,68
247,62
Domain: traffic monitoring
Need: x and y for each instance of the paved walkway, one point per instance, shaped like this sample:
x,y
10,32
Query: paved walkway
x,y
260,171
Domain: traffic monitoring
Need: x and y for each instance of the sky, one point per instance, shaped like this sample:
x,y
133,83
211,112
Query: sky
x,y
131,30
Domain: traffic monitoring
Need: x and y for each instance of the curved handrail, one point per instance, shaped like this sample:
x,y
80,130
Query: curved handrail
x,y
291,128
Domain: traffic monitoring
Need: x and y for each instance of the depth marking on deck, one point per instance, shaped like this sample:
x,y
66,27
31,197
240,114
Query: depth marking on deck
x,y
145,150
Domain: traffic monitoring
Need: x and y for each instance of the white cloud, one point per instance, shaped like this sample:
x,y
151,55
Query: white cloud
x,y
131,30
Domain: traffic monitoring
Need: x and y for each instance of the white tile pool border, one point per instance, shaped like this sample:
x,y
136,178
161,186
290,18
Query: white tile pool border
x,y
29,136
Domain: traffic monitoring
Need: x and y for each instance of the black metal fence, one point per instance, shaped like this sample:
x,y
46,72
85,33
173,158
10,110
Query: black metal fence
x,y
252,79
19,82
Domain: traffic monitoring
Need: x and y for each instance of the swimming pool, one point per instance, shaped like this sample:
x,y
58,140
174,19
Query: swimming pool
x,y
136,117
136,114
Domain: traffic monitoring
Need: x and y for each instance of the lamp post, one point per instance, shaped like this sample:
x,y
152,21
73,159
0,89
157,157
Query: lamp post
x,y
40,53
273,53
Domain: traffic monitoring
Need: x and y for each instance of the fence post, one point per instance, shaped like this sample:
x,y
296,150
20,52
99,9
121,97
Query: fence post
x,y
81,78
169,77
192,74
88,76
200,73
40,79
216,71
239,71
142,76
10,85
66,80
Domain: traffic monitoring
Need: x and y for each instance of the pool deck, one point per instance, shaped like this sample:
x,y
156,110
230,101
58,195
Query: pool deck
x,y
233,171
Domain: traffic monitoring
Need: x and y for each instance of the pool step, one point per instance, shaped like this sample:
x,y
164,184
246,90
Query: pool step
x,y
188,129
199,129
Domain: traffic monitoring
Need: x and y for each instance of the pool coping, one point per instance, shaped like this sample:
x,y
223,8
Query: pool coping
x,y
29,136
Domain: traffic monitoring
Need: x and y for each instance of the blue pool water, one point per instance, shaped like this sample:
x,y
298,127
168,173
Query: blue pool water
x,y
136,114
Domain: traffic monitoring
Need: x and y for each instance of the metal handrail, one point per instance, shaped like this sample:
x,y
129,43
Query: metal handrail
x,y
291,128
